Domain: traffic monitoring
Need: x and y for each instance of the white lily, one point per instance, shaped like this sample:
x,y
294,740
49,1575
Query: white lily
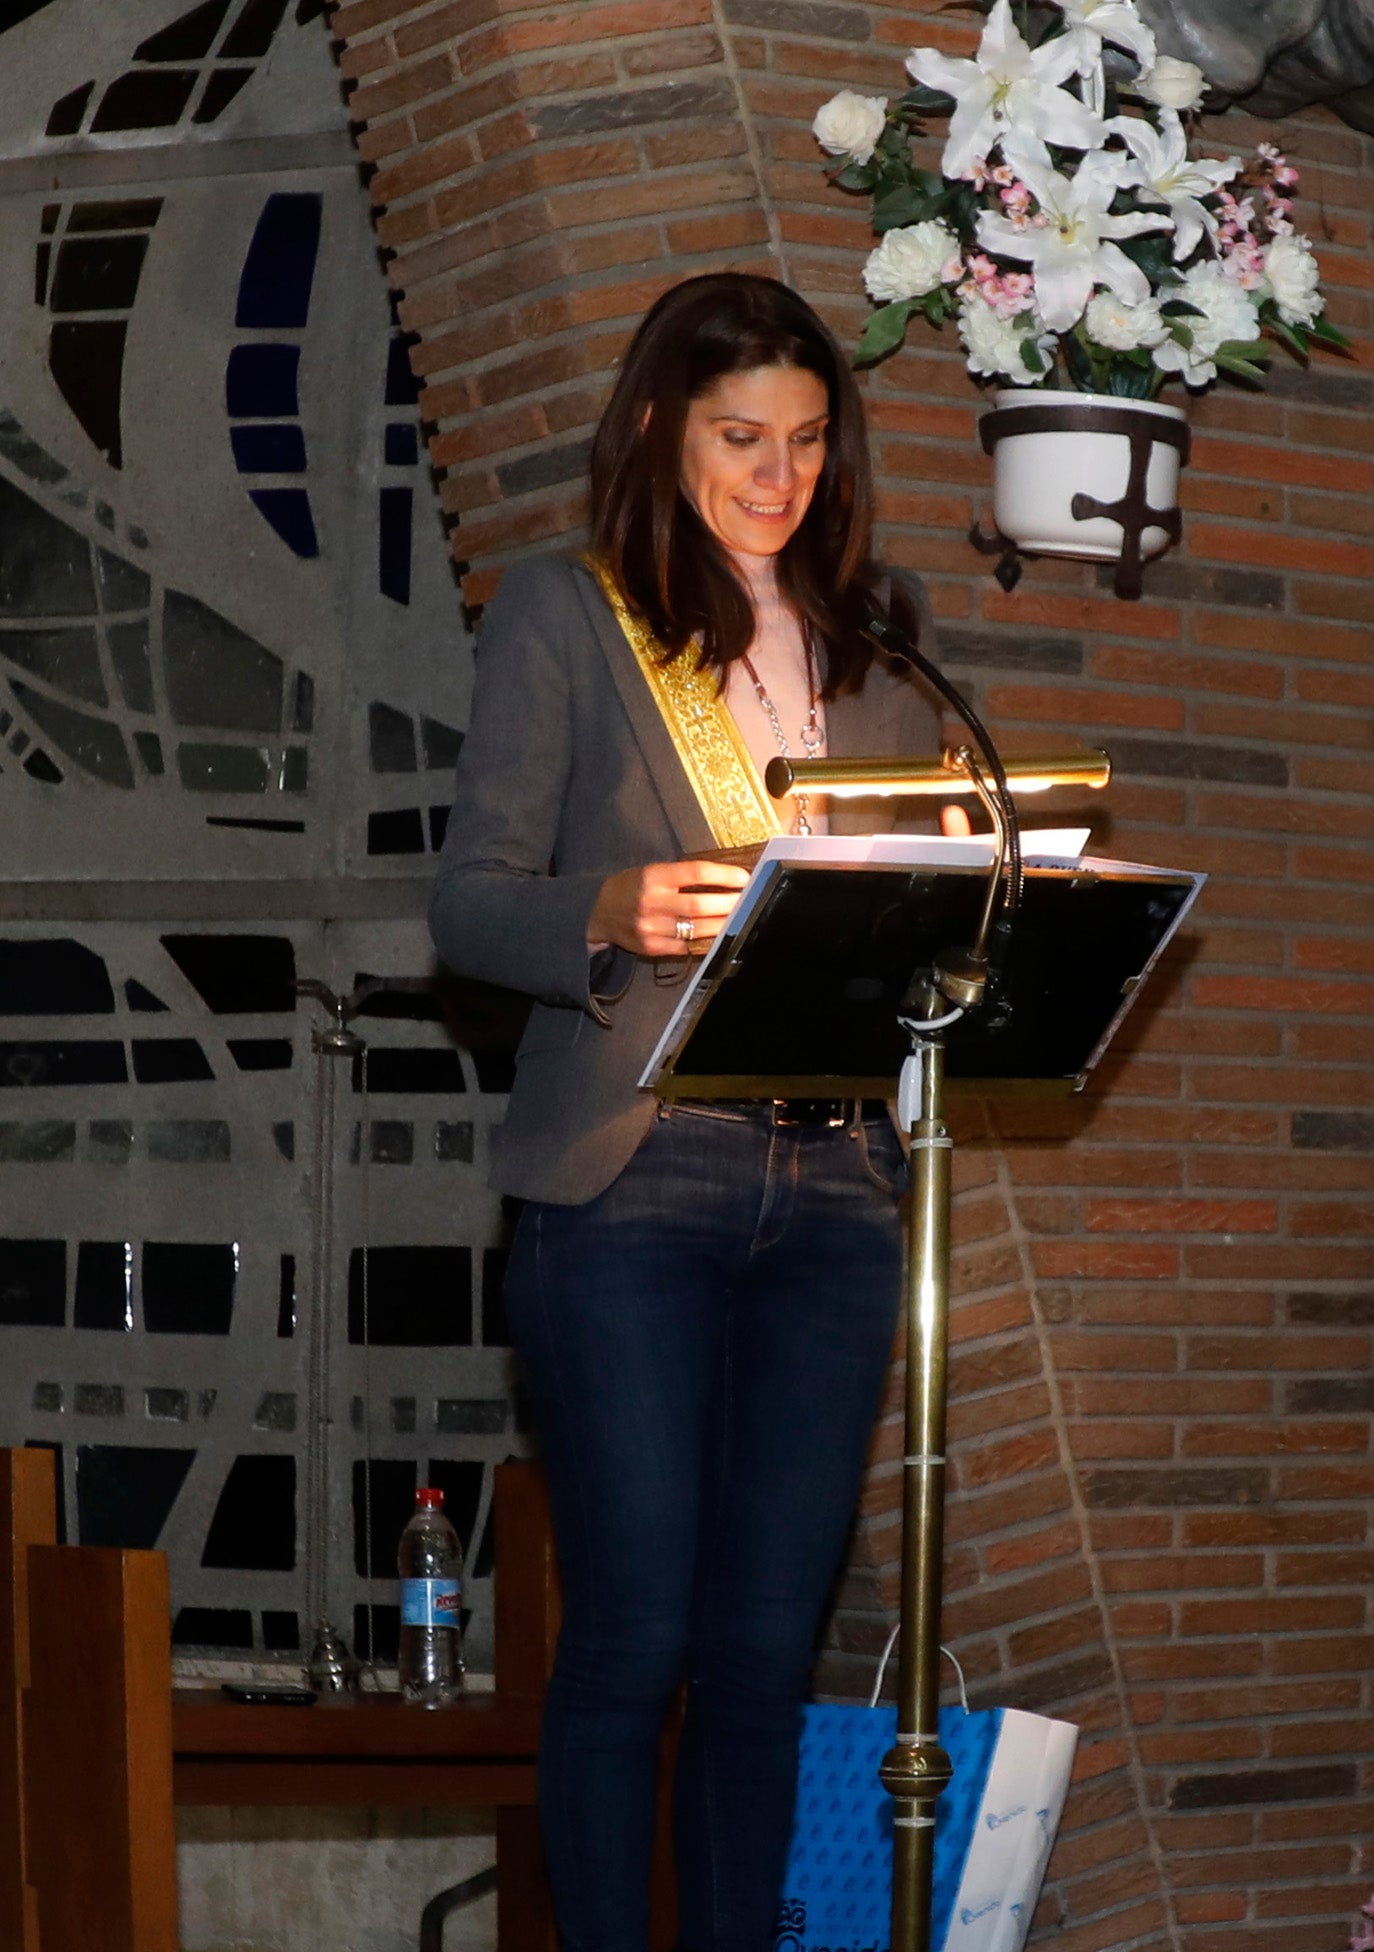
x,y
1008,85
1165,173
1088,23
1071,250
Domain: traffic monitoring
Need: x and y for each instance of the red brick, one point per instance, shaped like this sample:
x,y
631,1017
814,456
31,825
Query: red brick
x,y
1180,1216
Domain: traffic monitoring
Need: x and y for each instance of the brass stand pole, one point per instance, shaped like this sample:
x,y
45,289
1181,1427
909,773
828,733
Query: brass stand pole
x,y
916,1769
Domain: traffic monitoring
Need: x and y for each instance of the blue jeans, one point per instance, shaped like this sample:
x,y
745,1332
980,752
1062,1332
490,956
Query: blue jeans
x,y
705,1345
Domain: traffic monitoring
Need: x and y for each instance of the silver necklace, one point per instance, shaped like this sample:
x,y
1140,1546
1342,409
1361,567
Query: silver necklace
x,y
812,738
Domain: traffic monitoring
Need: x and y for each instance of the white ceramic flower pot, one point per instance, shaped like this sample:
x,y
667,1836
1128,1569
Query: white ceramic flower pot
x,y
1039,474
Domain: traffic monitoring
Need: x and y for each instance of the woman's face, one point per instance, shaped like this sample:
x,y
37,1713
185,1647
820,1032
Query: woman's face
x,y
752,451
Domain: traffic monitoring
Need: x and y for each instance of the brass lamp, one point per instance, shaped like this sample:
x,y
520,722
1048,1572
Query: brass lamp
x,y
916,1768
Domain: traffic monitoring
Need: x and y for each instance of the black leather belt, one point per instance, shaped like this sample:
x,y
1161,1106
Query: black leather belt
x,y
823,1111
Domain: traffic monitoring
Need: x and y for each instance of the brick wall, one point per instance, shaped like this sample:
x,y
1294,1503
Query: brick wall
x,y
1165,1290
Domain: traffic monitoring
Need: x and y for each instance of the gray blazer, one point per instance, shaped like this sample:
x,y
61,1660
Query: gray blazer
x,y
567,775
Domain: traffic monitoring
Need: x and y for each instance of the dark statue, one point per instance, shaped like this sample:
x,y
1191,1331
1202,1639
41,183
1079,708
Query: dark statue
x,y
1278,55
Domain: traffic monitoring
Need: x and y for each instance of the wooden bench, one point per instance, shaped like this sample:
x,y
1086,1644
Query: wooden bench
x,y
105,1747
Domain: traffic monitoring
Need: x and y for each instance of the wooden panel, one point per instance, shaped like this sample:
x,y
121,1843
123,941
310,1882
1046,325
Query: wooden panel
x,y
98,1722
375,1727
529,1603
28,1516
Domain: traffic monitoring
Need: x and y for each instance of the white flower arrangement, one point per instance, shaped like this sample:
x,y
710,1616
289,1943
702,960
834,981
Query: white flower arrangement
x,y
1073,243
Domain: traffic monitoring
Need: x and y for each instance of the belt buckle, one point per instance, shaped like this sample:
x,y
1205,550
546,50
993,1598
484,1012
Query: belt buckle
x,y
831,1113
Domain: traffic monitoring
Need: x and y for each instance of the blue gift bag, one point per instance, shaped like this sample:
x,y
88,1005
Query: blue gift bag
x,y
995,1825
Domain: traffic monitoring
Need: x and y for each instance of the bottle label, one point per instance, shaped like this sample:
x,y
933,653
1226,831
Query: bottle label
x,y
431,1602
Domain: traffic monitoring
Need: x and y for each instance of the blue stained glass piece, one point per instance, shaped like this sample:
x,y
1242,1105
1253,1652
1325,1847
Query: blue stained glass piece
x,y
268,450
402,387
288,511
261,382
395,509
402,448
279,270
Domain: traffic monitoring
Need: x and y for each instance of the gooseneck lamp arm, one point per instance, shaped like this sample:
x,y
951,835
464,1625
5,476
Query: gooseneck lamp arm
x,y
900,644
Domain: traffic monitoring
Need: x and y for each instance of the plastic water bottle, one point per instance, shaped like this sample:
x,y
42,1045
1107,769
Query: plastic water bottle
x,y
430,1563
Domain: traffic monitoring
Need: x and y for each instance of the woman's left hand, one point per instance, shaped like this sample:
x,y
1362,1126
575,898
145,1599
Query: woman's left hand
x,y
639,909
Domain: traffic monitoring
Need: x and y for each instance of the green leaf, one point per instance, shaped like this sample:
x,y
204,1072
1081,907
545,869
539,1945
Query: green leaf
x,y
854,176
1329,335
1131,382
1250,352
926,101
1240,369
884,332
1179,308
906,204
1032,358
1293,337
937,305
1080,365
1182,336
1152,254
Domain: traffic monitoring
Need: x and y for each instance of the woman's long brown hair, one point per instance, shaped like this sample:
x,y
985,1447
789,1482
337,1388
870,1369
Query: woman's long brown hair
x,y
668,563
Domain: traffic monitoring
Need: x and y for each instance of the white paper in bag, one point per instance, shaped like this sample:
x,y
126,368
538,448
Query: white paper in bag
x,y
1018,1816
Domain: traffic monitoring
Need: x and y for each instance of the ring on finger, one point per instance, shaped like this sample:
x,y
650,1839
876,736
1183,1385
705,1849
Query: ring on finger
x,y
684,928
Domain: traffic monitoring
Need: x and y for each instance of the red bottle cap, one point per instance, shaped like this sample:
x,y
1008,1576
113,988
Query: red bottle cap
x,y
429,1497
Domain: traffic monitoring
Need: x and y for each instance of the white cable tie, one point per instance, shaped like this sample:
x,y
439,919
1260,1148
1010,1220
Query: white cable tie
x,y
913,1822
943,1144
924,1457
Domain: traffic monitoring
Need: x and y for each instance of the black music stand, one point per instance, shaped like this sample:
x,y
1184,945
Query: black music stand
x,y
818,988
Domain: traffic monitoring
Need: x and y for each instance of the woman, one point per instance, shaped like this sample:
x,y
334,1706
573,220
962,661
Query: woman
x,y
702,1297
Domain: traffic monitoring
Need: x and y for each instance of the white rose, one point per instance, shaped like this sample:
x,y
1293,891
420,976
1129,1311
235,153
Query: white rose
x,y
850,124
1291,278
912,261
1121,327
1226,314
994,345
1171,84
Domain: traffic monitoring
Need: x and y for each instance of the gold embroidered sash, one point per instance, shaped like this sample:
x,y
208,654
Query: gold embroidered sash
x,y
717,762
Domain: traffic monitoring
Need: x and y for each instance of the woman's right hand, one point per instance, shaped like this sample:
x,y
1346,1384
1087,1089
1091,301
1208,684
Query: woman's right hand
x,y
639,908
